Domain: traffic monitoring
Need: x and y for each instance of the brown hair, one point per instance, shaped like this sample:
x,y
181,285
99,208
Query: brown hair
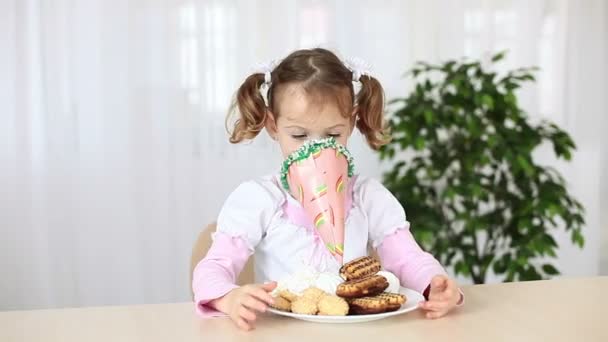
x,y
321,73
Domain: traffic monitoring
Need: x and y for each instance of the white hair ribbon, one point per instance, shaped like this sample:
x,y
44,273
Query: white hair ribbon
x,y
266,69
358,67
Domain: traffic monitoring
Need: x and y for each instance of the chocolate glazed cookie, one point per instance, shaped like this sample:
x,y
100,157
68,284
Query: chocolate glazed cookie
x,y
360,268
368,286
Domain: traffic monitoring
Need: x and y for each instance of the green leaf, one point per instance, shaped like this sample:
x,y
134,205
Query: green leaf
x,y
523,225
487,101
525,165
550,270
428,117
499,267
419,143
578,238
426,237
487,260
530,273
521,261
511,99
461,268
499,56
449,193
549,240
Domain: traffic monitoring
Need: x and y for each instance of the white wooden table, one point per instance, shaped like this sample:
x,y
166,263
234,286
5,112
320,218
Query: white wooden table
x,y
558,310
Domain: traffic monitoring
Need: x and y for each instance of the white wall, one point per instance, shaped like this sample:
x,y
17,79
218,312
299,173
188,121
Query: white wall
x,y
584,96
604,151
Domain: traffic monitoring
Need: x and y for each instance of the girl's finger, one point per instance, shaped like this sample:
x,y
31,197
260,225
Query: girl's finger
x,y
454,296
435,314
438,283
247,314
433,296
447,295
269,286
254,304
450,285
260,294
242,324
434,305
438,298
453,291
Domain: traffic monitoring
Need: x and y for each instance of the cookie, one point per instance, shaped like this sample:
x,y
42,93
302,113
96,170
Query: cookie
x,y
360,268
368,305
290,296
395,300
282,304
304,306
363,287
314,294
333,306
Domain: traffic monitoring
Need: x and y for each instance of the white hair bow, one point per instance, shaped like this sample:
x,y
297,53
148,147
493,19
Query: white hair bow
x,y
358,67
266,69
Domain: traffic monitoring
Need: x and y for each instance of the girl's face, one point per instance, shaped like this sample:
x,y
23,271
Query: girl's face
x,y
302,119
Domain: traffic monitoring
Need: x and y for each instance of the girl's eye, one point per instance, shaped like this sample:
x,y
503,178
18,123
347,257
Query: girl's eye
x,y
298,136
336,135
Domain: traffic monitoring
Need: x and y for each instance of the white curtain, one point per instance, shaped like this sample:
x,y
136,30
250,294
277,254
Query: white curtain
x,y
113,153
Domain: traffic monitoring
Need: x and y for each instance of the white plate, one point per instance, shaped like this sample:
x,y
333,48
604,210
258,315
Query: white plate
x,y
411,304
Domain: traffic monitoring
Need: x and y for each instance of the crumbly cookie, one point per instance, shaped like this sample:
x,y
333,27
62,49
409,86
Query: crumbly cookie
x,y
363,287
313,293
360,268
333,306
290,296
304,306
281,303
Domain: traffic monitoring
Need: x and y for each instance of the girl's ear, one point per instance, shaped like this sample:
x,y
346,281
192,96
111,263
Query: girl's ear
x,y
271,124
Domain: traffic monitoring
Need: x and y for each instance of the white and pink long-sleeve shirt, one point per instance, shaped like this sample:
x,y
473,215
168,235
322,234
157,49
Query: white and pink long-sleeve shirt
x,y
260,217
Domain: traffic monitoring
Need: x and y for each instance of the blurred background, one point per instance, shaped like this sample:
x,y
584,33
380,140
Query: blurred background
x,y
113,151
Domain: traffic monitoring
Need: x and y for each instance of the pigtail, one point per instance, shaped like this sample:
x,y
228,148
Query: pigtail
x,y
370,117
249,109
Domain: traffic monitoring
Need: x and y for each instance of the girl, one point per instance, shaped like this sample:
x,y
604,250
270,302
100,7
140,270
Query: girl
x,y
309,95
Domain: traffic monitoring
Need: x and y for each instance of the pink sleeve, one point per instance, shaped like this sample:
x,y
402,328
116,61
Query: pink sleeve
x,y
216,274
401,255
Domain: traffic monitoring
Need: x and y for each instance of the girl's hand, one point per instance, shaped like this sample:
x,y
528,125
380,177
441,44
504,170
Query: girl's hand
x,y
444,295
242,303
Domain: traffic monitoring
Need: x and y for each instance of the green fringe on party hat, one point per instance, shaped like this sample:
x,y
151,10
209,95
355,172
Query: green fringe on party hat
x,y
310,148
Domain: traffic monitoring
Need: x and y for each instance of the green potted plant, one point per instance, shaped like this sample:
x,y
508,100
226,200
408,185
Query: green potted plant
x,y
461,164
